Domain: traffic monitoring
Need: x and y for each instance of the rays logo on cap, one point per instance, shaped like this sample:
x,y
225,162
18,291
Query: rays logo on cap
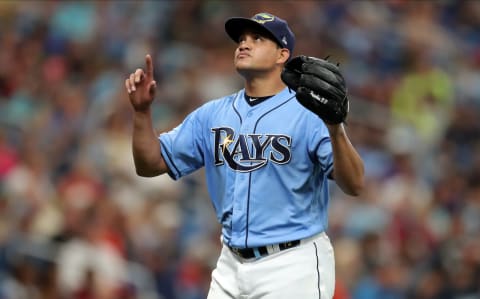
x,y
263,18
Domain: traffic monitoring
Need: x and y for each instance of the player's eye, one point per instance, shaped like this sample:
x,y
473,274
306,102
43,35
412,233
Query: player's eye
x,y
257,37
252,36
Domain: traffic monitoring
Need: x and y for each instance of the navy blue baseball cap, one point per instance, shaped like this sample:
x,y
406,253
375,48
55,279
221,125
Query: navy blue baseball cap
x,y
273,26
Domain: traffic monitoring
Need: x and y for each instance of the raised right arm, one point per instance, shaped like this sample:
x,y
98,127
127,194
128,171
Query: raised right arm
x,y
145,143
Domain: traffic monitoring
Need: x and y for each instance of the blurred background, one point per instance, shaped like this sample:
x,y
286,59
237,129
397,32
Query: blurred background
x,y
76,222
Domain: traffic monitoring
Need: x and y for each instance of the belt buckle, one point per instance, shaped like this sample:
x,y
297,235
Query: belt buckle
x,y
236,251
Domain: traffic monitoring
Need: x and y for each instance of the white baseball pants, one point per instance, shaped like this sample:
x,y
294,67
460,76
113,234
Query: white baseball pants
x,y
303,272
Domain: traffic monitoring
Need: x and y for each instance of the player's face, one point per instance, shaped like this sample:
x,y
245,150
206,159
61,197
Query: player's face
x,y
256,53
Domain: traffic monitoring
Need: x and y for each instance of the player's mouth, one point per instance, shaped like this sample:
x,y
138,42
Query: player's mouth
x,y
242,55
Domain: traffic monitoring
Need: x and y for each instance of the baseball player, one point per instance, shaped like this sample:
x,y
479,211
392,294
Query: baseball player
x,y
268,151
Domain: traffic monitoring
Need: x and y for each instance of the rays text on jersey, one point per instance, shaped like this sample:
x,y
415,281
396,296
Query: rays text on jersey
x,y
249,152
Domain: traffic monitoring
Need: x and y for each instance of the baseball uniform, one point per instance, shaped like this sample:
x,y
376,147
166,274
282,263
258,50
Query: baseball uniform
x,y
266,169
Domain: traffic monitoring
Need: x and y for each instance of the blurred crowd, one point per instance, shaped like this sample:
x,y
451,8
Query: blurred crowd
x,y
77,223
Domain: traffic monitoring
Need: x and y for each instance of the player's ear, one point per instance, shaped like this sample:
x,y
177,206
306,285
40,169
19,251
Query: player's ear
x,y
283,56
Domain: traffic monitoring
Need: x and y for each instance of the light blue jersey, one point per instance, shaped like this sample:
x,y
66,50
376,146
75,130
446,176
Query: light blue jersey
x,y
266,166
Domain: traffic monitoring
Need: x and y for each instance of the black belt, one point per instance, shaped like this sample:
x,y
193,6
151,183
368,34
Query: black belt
x,y
248,253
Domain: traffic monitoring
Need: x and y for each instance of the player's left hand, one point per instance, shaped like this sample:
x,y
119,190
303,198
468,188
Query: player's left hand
x,y
320,87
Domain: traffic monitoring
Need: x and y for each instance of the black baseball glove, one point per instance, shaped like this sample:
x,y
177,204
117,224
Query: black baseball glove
x,y
319,85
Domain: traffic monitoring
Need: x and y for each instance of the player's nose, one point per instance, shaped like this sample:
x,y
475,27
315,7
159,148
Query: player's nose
x,y
244,45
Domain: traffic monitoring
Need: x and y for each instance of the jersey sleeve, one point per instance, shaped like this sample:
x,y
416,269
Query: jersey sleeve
x,y
182,147
321,147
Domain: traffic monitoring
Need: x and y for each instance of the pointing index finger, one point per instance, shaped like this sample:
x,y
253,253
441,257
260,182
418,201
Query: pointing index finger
x,y
149,63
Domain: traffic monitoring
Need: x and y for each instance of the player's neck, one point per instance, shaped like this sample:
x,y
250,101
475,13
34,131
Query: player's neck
x,y
260,87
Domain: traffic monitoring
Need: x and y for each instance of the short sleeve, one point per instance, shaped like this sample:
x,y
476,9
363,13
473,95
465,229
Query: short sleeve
x,y
321,147
182,147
